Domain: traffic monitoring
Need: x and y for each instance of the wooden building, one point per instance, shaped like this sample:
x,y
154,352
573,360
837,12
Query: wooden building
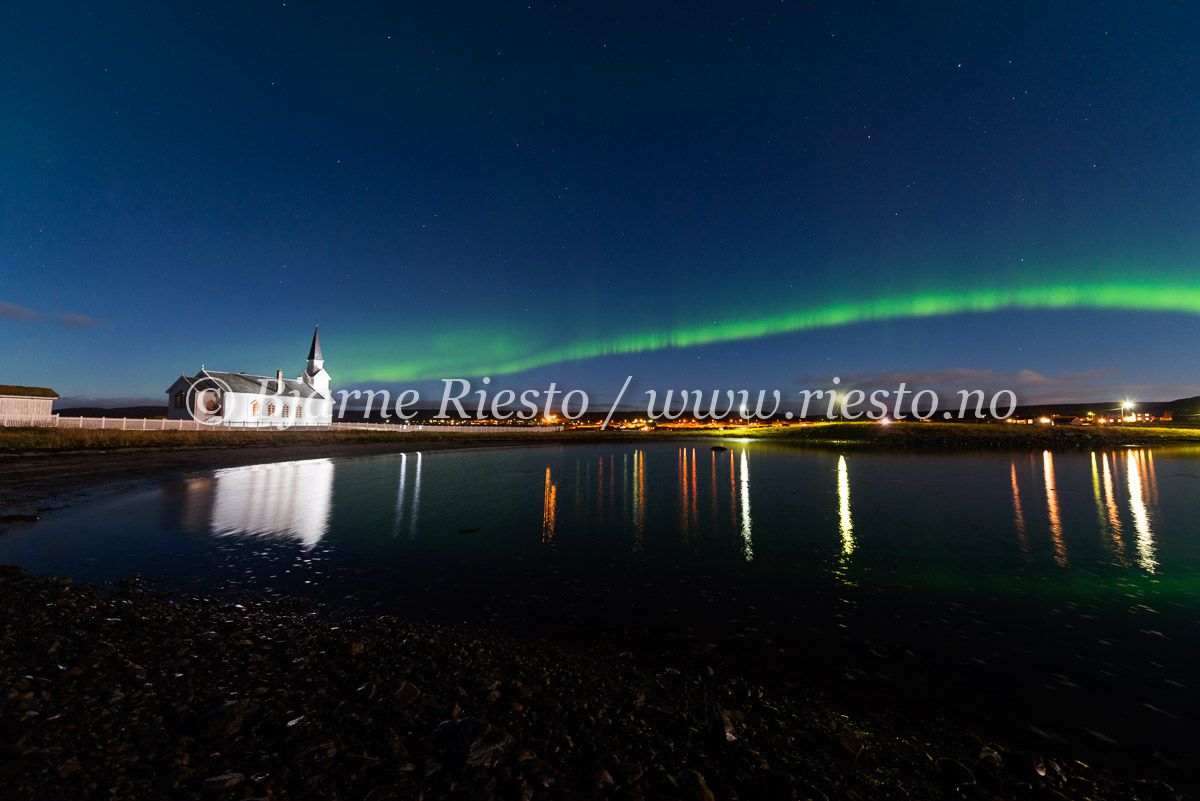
x,y
26,403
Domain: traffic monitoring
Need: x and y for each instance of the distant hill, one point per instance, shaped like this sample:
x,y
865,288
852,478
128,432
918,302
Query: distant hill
x,y
132,412
1186,405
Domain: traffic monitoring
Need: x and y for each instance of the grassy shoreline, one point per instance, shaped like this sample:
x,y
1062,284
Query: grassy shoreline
x,y
934,435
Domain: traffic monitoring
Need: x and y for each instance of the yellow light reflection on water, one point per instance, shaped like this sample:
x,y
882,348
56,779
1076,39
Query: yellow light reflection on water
x,y
639,499
549,508
1107,515
747,544
693,509
1110,503
1056,529
846,525
1141,515
685,486
1018,512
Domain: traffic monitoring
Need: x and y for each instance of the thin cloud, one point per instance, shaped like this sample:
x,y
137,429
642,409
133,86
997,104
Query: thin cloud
x,y
1028,385
20,314
78,321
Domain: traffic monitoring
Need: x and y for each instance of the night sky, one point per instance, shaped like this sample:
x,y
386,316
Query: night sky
x,y
700,195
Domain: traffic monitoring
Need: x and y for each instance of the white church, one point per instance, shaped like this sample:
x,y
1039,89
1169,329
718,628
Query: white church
x,y
241,400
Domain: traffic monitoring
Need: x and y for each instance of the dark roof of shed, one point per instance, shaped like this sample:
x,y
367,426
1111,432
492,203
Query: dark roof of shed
x,y
27,392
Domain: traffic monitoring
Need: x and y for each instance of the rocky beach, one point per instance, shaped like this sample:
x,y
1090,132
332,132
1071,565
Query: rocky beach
x,y
130,693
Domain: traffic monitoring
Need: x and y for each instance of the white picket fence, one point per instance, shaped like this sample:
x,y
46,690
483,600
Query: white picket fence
x,y
161,424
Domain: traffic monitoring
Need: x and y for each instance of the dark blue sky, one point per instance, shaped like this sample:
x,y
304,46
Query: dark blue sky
x,y
462,190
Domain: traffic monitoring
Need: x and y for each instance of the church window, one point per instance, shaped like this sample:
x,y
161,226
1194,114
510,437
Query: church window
x,y
270,410
286,411
255,408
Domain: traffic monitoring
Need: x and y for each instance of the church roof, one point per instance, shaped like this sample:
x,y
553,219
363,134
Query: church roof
x,y
253,384
314,352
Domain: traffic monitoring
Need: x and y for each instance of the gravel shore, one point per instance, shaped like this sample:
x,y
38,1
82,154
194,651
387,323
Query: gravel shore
x,y
131,694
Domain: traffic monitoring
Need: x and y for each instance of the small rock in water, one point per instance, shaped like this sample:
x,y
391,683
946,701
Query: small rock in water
x,y
472,743
408,693
600,778
693,786
226,720
850,742
720,724
226,781
990,762
954,773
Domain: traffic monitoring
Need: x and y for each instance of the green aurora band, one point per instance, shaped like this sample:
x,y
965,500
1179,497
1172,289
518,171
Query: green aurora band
x,y
502,358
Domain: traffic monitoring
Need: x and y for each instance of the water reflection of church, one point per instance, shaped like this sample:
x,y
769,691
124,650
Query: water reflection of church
x,y
283,501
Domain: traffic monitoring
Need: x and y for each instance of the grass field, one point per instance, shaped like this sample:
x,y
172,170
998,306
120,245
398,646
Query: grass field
x,y
979,435
897,435
60,439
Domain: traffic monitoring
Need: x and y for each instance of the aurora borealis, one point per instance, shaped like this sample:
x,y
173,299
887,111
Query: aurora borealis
x,y
723,196
1122,296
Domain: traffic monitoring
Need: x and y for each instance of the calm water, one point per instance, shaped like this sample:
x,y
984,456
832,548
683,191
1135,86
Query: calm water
x,y
1070,523
1060,589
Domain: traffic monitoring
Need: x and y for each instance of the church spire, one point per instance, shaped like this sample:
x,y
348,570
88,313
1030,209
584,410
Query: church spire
x,y
314,352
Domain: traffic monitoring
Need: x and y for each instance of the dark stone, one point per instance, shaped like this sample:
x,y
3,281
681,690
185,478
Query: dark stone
x,y
693,786
408,693
990,763
472,743
720,724
226,781
849,742
226,720
954,773
600,778
628,772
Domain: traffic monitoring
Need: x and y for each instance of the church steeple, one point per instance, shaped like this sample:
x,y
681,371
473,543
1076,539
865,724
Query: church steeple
x,y
314,352
315,375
